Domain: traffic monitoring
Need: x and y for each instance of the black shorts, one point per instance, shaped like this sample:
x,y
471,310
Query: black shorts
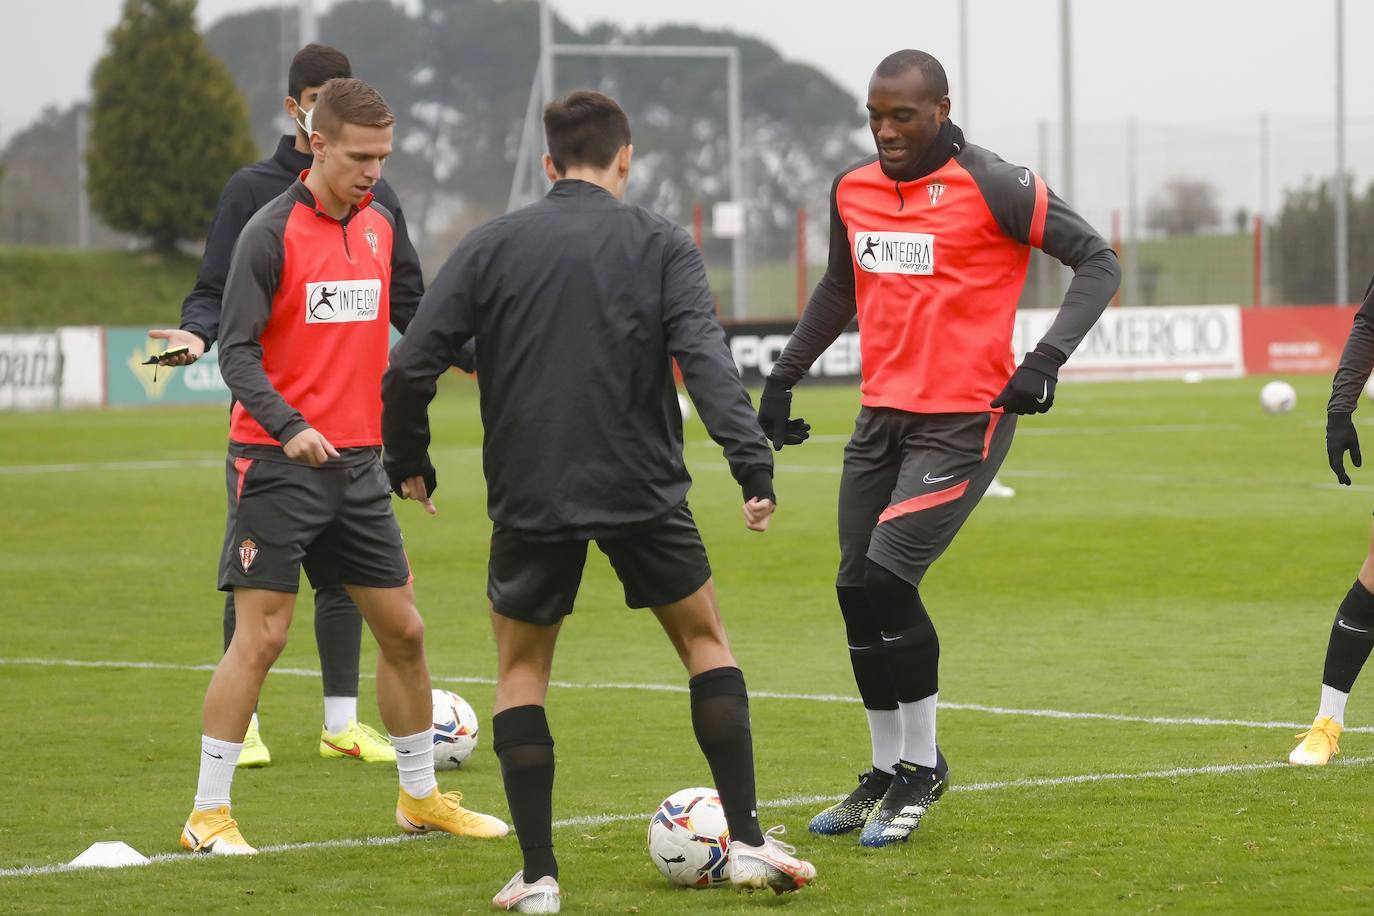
x,y
536,581
337,522
910,482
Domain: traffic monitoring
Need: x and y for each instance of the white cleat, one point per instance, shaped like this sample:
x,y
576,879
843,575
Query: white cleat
x,y
999,490
540,897
774,864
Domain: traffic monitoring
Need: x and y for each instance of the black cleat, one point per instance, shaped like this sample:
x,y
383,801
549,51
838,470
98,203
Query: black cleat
x,y
853,812
913,790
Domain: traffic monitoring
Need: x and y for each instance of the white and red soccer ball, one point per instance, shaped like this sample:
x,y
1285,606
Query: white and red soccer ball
x,y
689,840
455,730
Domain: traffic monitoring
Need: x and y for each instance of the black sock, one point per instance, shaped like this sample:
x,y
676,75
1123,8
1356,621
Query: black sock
x,y
866,653
520,736
720,718
908,634
1352,637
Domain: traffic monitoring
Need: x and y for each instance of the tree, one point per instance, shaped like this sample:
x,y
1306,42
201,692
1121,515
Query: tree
x,y
1184,206
168,125
1304,243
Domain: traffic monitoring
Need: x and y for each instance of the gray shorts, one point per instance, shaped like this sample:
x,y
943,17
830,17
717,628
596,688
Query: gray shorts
x,y
909,482
337,522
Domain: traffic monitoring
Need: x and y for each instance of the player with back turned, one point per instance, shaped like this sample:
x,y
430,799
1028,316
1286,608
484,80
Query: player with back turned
x,y
581,303
1352,632
930,242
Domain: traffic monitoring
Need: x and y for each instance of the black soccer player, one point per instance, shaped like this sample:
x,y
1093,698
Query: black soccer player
x,y
1352,632
338,625
930,241
581,303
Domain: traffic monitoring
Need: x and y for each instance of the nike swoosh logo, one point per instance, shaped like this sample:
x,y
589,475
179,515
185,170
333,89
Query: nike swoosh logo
x,y
1025,179
355,751
1044,394
929,479
1345,626
216,756
887,638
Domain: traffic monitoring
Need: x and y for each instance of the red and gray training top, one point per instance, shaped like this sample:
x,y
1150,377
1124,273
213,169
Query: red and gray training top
x,y
303,338
933,267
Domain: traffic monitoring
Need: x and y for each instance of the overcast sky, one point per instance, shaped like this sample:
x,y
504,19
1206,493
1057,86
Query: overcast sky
x,y
1197,74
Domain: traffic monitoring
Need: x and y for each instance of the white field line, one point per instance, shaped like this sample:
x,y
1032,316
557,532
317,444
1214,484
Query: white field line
x,y
757,694
598,820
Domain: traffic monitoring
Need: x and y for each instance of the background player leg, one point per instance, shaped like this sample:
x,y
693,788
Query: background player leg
x,y
720,718
263,619
338,636
1352,638
521,737
406,704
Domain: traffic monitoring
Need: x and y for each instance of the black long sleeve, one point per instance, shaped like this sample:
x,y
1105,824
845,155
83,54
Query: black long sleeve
x,y
1357,360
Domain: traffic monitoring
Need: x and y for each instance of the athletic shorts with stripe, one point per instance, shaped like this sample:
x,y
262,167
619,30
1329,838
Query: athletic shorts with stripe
x,y
337,522
536,581
909,482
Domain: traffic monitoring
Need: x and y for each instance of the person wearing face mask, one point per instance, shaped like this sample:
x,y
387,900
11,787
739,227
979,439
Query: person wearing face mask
x,y
338,626
930,241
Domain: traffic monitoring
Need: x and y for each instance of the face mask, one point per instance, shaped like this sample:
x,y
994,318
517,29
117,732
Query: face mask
x,y
304,125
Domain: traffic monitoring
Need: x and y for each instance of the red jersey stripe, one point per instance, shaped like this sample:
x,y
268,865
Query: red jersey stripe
x,y
925,501
1042,206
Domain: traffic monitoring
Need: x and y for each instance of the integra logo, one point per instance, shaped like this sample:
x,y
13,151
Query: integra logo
x,y
910,253
341,301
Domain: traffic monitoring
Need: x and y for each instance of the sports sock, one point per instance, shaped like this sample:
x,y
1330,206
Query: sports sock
x,y
913,650
720,718
918,731
1352,637
524,745
868,658
217,762
885,734
339,712
415,763
1333,704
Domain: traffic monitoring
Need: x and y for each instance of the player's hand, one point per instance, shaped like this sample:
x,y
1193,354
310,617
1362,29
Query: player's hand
x,y
757,512
1341,438
414,488
309,446
1031,387
177,338
775,408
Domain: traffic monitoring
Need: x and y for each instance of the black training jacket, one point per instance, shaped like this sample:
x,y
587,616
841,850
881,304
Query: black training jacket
x,y
580,303
250,188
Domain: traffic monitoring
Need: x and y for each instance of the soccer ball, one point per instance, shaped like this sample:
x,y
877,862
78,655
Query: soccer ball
x,y
1278,397
455,730
689,839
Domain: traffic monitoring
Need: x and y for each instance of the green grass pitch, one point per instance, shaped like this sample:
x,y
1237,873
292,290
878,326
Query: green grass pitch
x,y
1172,554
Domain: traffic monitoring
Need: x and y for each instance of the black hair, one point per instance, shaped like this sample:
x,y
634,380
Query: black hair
x,y
899,62
585,128
315,65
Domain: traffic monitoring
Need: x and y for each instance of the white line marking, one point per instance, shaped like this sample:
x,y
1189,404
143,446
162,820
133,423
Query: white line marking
x,y
757,694
162,465
598,820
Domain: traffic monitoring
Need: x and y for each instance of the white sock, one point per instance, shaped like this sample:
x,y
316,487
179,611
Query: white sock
x,y
1333,704
217,761
415,763
918,731
339,712
885,733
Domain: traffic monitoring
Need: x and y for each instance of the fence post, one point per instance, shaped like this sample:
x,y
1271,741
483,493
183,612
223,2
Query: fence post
x,y
1257,244
801,260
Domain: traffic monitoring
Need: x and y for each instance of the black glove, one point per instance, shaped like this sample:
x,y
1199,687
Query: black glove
x,y
1341,438
775,407
1031,387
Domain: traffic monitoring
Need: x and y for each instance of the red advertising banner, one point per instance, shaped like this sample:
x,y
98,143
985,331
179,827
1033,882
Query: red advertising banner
x,y
1295,339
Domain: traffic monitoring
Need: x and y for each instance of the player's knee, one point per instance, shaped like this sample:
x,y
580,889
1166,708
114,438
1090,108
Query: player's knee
x,y
861,625
896,602
261,646
406,639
